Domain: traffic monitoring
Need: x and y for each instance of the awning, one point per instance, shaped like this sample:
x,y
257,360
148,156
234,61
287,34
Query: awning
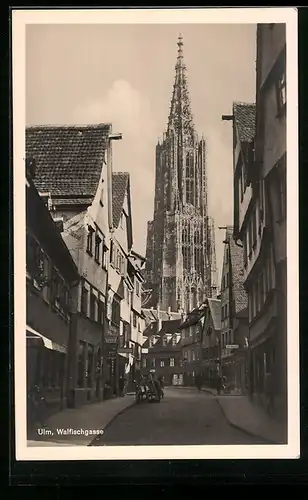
x,y
49,344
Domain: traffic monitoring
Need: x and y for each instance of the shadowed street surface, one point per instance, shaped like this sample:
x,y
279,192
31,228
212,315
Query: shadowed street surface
x,y
183,417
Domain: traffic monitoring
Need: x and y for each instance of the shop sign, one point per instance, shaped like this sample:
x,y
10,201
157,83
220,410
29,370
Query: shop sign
x,y
111,339
125,350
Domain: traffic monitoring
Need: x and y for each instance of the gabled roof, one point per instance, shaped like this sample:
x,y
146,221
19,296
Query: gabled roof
x,y
121,187
151,315
245,118
69,160
237,263
120,184
215,310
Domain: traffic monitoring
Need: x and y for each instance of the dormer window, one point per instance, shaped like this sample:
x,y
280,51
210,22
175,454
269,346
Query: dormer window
x,y
165,341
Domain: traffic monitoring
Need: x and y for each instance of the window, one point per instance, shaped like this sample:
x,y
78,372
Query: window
x,y
281,93
193,356
151,343
261,290
111,253
281,195
250,237
116,312
153,362
134,320
162,363
165,341
254,228
144,362
90,240
261,188
172,361
97,248
105,255
245,249
84,300
93,302
101,312
174,340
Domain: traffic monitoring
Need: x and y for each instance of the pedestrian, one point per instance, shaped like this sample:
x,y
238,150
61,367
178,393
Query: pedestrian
x,y
161,382
37,405
218,384
121,386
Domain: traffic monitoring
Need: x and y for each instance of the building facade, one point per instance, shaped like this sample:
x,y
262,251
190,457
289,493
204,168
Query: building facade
x,y
181,264
137,321
211,342
162,351
51,292
80,189
120,282
268,289
234,317
260,214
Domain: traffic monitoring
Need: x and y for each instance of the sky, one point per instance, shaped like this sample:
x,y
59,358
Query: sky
x,y
123,74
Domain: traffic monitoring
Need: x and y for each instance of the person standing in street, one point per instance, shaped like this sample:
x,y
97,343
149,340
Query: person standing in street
x,y
121,386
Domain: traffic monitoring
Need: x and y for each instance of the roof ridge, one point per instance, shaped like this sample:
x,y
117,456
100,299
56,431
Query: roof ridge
x,y
242,103
63,125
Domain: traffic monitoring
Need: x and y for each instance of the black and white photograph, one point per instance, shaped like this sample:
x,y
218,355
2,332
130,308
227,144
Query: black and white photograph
x,y
156,233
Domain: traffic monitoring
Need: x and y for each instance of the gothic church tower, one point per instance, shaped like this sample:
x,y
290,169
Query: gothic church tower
x,y
180,240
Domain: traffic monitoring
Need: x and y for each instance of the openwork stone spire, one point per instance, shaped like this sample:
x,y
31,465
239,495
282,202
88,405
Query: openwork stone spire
x,y
180,116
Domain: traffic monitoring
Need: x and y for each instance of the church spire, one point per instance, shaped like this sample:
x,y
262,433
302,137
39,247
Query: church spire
x,y
180,116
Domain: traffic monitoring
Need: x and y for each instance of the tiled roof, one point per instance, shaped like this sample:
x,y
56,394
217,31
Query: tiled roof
x,y
245,117
69,159
120,184
215,309
237,263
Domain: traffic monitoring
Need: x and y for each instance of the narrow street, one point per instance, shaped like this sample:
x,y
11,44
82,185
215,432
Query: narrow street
x,y
183,417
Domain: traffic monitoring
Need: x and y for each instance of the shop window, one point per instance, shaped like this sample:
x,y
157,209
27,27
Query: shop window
x,y
81,363
90,364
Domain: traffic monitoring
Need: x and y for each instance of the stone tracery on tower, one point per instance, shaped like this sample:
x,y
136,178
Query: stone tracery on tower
x,y
180,247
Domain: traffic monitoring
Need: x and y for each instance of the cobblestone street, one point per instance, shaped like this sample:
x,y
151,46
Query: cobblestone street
x,y
183,417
